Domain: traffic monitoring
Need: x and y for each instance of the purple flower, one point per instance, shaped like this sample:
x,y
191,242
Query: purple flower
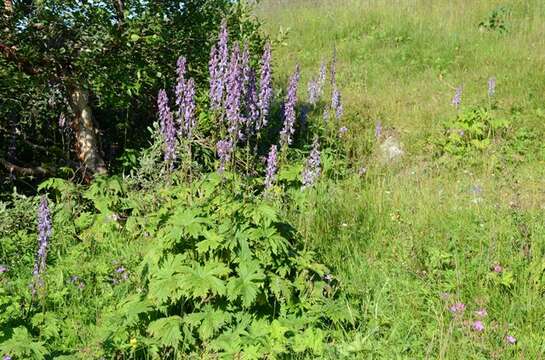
x,y
497,268
6,357
189,109
219,57
343,130
457,99
224,149
251,102
168,129
326,116
322,78
481,313
289,110
378,129
491,86
44,233
3,269
313,91
511,339
271,167
311,172
265,87
120,270
478,326
234,92
328,278
336,103
457,308
180,86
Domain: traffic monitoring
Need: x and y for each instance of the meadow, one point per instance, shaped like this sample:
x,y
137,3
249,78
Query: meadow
x,y
401,213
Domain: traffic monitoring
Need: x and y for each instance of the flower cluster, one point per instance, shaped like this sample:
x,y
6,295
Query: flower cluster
x,y
311,172
44,233
168,130
217,66
289,110
457,99
265,87
271,167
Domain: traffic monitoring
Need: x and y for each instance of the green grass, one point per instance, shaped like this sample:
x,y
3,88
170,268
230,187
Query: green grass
x,y
405,234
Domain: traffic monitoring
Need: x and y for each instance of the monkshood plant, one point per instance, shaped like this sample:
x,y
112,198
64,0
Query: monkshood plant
x,y
190,253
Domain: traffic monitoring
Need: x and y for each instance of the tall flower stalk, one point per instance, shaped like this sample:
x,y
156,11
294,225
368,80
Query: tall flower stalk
x,y
457,99
234,94
44,233
312,169
265,88
218,66
168,130
288,129
272,160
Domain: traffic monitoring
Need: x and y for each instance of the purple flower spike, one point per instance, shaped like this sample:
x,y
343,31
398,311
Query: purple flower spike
x,y
336,104
491,86
511,339
189,108
265,87
313,89
478,326
271,167
224,149
251,101
234,92
311,172
457,99
219,57
6,357
378,129
168,129
44,233
180,85
289,110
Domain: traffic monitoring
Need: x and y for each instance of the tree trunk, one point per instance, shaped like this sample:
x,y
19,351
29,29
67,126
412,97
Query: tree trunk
x,y
8,6
87,148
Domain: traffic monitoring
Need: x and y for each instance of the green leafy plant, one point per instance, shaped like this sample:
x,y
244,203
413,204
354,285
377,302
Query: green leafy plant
x,y
472,130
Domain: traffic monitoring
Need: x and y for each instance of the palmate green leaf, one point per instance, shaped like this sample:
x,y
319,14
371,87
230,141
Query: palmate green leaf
x,y
200,280
311,339
22,345
133,307
184,221
166,331
166,282
209,321
246,285
211,242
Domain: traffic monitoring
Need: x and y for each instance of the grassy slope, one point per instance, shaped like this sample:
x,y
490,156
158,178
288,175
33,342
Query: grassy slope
x,y
408,233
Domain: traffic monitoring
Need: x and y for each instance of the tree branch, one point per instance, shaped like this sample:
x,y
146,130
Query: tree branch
x,y
119,6
25,171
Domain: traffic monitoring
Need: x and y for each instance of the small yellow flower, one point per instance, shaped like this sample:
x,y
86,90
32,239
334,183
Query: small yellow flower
x,y
133,343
